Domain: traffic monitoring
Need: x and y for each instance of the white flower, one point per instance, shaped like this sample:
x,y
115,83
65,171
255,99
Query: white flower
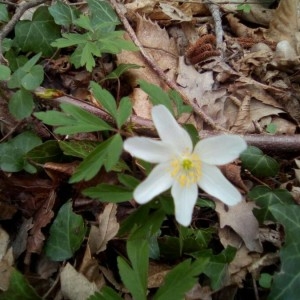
x,y
183,168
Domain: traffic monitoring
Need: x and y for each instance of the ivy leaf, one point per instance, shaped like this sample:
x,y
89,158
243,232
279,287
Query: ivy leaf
x,y
19,288
46,152
4,17
259,164
12,153
135,276
103,13
286,282
265,198
66,234
72,120
38,34
107,154
63,14
4,72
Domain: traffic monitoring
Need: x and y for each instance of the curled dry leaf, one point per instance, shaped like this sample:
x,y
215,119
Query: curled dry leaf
x,y
241,219
106,230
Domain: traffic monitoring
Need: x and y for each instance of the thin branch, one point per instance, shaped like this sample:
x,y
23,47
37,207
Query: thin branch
x,y
13,21
272,144
151,62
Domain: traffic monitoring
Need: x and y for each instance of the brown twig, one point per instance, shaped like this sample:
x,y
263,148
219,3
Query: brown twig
x,y
273,144
13,21
150,61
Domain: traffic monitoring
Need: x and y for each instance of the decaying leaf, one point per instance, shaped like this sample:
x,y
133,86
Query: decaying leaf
x,y
74,285
107,229
6,260
241,219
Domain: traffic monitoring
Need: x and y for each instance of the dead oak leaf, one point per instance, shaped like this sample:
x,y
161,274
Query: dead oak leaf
x,y
107,229
241,219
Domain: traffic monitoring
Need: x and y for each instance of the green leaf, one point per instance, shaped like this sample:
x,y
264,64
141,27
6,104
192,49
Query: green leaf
x,y
105,98
124,111
271,128
179,280
120,70
47,152
38,34
84,22
265,198
70,39
21,104
135,277
108,193
4,72
4,17
73,120
66,234
106,293
63,14
102,13
19,288
12,153
128,181
107,154
180,106
258,164
79,149
265,280
216,267
33,79
157,95
286,282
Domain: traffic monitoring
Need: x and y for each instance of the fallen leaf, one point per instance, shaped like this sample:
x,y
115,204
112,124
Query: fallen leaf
x,y
106,230
74,285
241,219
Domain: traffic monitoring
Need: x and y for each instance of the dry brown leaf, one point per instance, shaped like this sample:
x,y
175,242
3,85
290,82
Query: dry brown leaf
x,y
157,44
285,23
199,293
241,219
174,13
74,285
157,274
106,230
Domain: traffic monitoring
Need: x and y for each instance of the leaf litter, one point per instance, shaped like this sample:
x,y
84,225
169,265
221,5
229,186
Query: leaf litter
x,y
248,85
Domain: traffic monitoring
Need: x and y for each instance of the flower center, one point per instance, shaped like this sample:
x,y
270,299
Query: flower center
x,y
186,169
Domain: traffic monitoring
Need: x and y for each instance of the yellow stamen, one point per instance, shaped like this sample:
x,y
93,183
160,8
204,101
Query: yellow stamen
x,y
186,169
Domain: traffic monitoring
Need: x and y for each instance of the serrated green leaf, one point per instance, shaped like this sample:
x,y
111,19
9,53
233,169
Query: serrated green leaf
x,y
107,154
106,293
180,106
4,72
102,13
265,198
128,181
66,234
124,111
259,164
4,17
84,22
105,98
70,39
120,70
179,280
38,34
33,79
109,193
19,288
135,277
79,149
21,104
63,14
47,152
89,50
286,282
73,120
156,94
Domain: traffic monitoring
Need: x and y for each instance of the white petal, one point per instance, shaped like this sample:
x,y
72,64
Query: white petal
x,y
169,130
158,181
184,200
220,150
213,182
148,149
